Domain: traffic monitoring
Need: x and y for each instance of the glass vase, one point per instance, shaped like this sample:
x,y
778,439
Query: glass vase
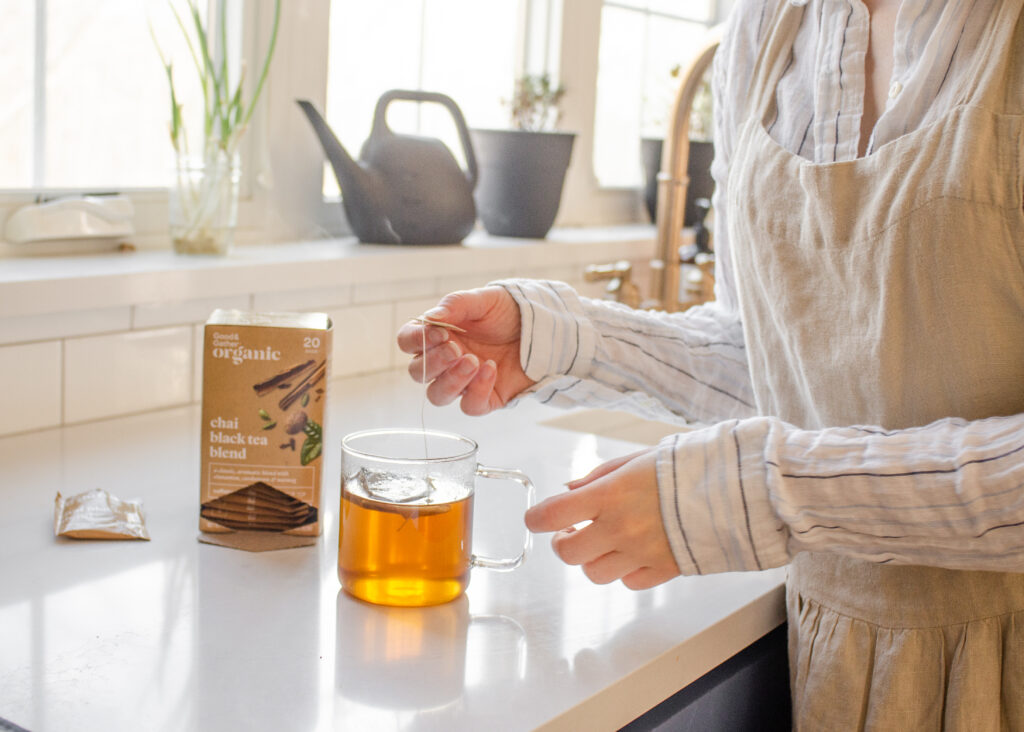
x,y
204,204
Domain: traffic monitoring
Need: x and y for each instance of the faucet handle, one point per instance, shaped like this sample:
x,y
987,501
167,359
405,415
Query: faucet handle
x,y
620,286
701,234
599,272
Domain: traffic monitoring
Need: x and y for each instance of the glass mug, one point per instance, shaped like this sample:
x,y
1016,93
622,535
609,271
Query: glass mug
x,y
406,526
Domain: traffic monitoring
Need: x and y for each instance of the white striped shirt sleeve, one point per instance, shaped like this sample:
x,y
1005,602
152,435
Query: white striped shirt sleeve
x,y
750,494
686,367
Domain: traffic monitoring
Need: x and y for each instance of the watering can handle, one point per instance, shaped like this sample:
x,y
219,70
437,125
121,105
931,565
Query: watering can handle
x,y
409,95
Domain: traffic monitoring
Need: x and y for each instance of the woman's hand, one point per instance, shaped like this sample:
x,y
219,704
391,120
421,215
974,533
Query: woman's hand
x,y
625,538
480,366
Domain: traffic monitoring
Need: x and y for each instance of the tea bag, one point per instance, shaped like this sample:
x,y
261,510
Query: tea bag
x,y
439,323
380,495
396,488
96,514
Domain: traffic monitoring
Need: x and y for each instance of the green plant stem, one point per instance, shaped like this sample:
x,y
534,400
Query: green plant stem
x,y
266,62
225,114
225,124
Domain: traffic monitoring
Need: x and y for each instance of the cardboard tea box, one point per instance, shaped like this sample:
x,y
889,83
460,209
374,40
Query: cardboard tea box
x,y
264,390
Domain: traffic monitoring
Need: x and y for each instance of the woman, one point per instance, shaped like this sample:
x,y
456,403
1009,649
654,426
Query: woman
x,y
860,376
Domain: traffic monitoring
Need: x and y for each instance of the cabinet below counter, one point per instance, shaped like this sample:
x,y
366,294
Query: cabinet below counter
x,y
172,634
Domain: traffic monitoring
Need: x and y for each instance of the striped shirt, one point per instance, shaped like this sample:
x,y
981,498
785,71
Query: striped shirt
x,y
744,491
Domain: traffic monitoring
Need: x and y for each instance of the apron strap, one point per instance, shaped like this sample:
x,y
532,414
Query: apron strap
x,y
773,58
997,79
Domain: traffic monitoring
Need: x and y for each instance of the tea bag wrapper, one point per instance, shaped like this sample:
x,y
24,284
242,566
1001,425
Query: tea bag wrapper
x,y
96,514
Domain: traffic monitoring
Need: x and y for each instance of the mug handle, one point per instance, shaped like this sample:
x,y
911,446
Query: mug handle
x,y
505,565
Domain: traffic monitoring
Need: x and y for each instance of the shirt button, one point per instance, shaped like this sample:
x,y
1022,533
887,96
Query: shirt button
x,y
895,89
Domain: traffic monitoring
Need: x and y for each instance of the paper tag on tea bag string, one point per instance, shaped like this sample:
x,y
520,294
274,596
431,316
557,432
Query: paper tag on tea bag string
x,y
96,514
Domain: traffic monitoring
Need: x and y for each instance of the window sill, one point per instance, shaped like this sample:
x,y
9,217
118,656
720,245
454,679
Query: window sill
x,y
39,285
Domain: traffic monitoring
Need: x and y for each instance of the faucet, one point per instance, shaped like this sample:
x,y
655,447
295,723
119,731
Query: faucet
x,y
667,267
620,287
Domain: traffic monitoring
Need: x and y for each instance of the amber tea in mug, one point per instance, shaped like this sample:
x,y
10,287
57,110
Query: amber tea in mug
x,y
406,527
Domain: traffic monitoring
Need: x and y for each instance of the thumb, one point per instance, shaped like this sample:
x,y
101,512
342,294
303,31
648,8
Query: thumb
x,y
467,306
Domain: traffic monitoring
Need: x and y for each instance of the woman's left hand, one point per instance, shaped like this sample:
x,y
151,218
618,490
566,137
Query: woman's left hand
x,y
625,538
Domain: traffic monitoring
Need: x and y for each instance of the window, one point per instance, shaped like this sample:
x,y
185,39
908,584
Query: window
x,y
85,101
466,49
642,41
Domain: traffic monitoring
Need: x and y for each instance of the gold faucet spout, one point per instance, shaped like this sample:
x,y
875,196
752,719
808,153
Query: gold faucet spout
x,y
673,181
666,268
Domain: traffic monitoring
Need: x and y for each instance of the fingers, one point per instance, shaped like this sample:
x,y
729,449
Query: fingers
x,y
453,381
561,511
469,378
410,337
437,360
647,577
481,366
479,397
609,567
625,537
603,469
589,548
580,546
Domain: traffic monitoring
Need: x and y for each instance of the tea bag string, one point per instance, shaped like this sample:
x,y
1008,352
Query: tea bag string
x,y
423,396
425,321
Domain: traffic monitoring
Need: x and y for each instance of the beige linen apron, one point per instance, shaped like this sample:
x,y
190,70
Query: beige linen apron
x,y
889,290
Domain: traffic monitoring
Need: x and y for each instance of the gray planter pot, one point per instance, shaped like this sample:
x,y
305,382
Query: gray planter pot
x,y
521,177
698,169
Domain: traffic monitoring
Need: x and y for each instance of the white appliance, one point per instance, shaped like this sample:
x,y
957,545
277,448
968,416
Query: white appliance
x,y
63,219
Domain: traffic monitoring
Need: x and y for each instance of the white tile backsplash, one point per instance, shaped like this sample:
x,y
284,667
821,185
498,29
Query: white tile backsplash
x,y
158,315
362,339
122,342
127,372
50,326
561,274
367,292
464,282
31,397
316,299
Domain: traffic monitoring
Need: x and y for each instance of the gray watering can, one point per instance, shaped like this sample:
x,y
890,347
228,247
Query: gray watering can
x,y
404,189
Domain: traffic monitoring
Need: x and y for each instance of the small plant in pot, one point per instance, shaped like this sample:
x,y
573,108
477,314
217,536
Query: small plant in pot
x,y
522,170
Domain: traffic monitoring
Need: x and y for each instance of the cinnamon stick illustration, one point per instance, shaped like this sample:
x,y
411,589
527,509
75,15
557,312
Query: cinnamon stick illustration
x,y
305,385
265,387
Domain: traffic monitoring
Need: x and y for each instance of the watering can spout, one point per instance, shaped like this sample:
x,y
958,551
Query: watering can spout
x,y
361,192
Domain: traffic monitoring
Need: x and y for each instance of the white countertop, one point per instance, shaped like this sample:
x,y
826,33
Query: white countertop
x,y
172,634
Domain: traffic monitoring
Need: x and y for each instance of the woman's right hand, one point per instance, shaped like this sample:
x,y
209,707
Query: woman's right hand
x,y
480,367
